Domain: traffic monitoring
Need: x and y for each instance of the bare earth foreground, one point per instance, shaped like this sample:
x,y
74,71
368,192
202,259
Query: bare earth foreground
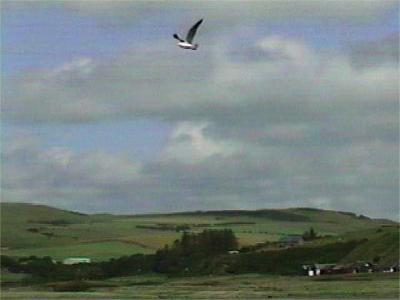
x,y
249,286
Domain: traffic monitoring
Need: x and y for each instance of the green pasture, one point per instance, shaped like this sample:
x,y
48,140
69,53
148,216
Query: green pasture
x,y
96,251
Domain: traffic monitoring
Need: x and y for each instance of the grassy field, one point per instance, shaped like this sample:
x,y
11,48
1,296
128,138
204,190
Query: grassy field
x,y
98,252
28,229
251,286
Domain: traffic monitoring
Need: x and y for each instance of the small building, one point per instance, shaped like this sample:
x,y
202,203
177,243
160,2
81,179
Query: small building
x,y
76,260
319,269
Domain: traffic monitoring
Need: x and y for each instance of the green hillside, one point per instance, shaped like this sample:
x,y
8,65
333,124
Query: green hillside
x,y
28,229
382,246
27,225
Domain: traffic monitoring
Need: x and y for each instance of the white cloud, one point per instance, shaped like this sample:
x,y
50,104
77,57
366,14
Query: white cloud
x,y
188,144
81,67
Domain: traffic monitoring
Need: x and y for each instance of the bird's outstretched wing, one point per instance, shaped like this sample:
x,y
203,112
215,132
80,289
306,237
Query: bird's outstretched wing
x,y
192,31
178,38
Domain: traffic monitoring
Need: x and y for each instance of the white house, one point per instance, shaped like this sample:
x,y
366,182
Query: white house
x,y
76,260
318,269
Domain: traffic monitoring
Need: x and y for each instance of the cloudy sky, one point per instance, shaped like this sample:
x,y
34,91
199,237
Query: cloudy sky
x,y
284,104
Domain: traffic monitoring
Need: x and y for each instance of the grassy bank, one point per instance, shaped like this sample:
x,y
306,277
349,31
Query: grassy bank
x,y
250,286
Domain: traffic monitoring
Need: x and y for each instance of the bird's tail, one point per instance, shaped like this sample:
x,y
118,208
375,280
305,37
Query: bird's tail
x,y
177,37
195,46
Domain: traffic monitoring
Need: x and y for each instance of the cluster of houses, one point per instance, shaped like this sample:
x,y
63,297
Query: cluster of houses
x,y
324,269
359,267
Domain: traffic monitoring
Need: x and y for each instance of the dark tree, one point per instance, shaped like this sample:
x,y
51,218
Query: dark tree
x,y
310,234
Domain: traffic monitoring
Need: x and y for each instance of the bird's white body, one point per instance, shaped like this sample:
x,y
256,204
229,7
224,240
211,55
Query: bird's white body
x,y
186,45
188,42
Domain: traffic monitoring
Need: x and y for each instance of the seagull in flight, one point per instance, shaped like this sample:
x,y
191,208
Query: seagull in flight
x,y
188,44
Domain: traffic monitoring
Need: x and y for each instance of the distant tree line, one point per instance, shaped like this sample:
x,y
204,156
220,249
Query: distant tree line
x,y
192,248
185,252
193,254
177,228
206,243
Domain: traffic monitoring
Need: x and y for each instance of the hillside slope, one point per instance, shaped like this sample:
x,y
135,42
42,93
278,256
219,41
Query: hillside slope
x,y
382,247
29,225
28,229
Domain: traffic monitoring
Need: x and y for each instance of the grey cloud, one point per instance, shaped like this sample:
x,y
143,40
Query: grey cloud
x,y
144,82
351,177
287,126
374,53
158,83
121,12
307,130
334,128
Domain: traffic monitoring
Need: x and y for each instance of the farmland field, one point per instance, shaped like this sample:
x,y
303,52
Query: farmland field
x,y
44,231
251,286
28,229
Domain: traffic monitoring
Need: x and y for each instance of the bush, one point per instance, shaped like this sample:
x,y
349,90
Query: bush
x,y
72,286
309,235
9,263
376,259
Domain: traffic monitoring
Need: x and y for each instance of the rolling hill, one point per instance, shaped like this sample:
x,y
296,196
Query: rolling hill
x,y
28,229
